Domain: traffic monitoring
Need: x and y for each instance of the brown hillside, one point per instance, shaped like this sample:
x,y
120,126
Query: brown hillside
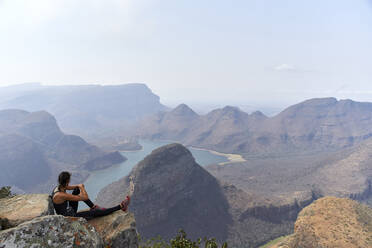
x,y
332,222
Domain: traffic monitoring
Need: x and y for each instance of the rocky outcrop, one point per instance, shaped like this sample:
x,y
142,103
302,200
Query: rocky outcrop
x,y
117,230
22,208
29,221
51,231
171,191
332,222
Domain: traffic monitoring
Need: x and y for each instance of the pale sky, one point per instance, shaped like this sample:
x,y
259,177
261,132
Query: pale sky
x,y
231,51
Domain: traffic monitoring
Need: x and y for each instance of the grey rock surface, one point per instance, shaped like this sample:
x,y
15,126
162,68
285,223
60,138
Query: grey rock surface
x,y
51,231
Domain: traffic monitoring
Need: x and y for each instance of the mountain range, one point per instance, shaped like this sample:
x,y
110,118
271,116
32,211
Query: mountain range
x,y
322,124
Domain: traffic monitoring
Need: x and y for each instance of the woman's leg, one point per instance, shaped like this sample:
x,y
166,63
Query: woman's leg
x,y
75,204
88,202
97,212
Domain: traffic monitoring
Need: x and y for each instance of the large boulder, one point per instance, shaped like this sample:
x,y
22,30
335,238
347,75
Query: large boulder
x,y
117,230
51,231
22,208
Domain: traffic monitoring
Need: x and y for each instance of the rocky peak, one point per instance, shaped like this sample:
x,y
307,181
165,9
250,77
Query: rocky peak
x,y
320,101
311,106
258,115
40,117
40,126
160,159
184,110
228,112
231,109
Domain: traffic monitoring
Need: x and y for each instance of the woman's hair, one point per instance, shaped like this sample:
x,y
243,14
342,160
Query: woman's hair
x,y
64,178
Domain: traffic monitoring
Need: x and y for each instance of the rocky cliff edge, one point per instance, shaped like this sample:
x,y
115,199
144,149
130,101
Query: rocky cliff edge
x,y
29,221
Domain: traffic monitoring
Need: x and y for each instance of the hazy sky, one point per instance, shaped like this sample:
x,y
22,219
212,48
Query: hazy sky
x,y
231,51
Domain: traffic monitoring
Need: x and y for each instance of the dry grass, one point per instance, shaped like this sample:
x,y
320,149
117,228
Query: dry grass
x,y
333,222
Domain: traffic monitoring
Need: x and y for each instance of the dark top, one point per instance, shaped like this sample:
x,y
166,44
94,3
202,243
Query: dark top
x,y
62,208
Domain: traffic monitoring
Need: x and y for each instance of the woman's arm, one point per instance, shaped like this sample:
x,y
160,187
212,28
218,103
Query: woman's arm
x,y
83,196
72,187
71,197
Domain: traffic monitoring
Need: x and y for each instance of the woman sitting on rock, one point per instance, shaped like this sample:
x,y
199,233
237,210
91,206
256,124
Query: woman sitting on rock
x,y
67,204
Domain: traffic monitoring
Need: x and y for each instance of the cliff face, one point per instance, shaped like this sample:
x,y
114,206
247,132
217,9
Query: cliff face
x,y
257,220
171,192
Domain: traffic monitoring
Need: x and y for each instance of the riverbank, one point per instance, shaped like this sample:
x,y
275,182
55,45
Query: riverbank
x,y
233,158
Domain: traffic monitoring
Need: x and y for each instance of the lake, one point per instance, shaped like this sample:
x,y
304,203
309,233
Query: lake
x,y
99,179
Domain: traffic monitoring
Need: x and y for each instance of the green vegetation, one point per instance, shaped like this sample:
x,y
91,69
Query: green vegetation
x,y
5,192
181,241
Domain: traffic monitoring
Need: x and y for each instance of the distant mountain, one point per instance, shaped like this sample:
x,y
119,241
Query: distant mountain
x,y
88,110
22,162
33,149
175,124
313,125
